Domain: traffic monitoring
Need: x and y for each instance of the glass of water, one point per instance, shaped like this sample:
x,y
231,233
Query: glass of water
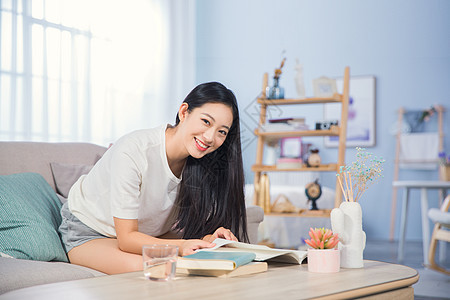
x,y
160,261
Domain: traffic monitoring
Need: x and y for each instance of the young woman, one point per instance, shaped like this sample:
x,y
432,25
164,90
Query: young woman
x,y
180,185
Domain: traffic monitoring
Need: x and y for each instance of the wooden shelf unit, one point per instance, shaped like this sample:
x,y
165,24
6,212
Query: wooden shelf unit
x,y
321,213
313,100
274,134
264,136
321,168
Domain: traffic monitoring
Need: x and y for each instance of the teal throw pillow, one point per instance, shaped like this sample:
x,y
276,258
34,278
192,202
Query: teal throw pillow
x,y
29,218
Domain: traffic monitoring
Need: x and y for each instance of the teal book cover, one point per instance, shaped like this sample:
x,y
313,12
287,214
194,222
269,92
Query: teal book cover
x,y
215,260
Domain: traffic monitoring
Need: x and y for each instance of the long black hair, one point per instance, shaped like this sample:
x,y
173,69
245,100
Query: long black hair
x,y
211,192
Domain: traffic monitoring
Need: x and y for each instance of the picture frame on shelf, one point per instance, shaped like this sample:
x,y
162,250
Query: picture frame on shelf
x,y
291,147
361,113
324,87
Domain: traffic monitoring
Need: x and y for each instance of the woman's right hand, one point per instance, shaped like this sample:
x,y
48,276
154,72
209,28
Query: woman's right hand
x,y
188,247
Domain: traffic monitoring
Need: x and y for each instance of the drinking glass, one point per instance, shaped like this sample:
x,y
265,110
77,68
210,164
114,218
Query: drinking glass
x,y
160,262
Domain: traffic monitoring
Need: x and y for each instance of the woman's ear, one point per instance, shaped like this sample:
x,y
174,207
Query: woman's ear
x,y
183,111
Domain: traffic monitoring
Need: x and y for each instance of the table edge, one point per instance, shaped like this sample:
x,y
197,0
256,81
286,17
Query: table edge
x,y
374,289
418,184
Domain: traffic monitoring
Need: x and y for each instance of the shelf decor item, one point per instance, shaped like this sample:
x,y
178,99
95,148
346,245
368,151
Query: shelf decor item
x,y
291,147
264,185
313,191
324,87
299,81
283,205
313,160
275,91
323,257
346,220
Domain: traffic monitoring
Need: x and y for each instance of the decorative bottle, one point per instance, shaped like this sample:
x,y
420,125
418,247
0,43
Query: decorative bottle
x,y
275,91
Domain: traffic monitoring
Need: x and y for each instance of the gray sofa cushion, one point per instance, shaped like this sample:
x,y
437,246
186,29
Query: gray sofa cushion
x,y
20,273
66,175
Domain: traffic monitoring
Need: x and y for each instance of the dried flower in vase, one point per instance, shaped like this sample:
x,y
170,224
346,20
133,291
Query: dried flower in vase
x,y
355,178
278,71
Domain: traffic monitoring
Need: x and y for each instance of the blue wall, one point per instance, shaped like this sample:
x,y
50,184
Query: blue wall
x,y
404,44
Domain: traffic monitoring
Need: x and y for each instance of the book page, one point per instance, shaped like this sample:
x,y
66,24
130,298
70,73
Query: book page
x,y
222,242
262,252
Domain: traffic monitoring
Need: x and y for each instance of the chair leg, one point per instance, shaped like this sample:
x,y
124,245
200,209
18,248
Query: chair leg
x,y
432,252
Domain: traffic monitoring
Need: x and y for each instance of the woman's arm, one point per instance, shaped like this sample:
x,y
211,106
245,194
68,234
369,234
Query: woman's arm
x,y
131,240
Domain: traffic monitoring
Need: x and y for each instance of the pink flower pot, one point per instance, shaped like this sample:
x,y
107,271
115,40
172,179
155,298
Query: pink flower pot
x,y
324,260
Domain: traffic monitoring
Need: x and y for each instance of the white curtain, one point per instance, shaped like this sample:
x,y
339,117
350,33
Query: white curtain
x,y
73,70
176,77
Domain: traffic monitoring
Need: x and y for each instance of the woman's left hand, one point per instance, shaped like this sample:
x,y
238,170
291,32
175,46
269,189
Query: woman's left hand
x,y
220,233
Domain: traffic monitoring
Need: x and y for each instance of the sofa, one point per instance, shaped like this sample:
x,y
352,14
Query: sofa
x,y
38,178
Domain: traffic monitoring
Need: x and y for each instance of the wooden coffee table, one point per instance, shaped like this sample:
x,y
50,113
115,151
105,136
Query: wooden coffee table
x,y
279,282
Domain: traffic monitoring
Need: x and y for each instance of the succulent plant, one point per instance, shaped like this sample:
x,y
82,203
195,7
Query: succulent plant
x,y
322,238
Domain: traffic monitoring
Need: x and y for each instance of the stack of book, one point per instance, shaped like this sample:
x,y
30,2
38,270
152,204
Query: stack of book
x,y
285,124
220,264
289,163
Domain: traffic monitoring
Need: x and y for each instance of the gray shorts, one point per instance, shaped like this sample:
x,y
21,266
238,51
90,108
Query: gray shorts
x,y
73,231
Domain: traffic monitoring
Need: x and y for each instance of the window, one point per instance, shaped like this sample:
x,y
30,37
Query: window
x,y
77,70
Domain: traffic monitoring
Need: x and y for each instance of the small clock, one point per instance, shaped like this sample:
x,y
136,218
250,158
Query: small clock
x,y
313,191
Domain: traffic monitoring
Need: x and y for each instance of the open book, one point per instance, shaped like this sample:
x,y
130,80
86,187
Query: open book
x,y
263,253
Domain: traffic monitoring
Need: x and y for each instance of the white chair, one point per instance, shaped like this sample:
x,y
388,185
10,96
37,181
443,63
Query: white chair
x,y
441,218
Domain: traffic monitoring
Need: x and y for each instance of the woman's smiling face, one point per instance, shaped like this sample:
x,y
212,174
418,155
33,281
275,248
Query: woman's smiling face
x,y
205,128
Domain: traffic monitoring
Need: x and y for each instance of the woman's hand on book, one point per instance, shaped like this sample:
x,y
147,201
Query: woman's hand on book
x,y
188,247
220,233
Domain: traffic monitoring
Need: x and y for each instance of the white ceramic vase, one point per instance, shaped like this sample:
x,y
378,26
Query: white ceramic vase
x,y
346,221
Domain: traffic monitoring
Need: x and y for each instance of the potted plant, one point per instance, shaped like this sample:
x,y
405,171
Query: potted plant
x,y
323,257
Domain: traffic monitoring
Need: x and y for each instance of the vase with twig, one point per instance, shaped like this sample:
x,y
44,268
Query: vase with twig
x,y
354,180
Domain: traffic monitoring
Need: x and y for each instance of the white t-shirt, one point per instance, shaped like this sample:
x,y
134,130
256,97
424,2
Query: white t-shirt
x,y
131,181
